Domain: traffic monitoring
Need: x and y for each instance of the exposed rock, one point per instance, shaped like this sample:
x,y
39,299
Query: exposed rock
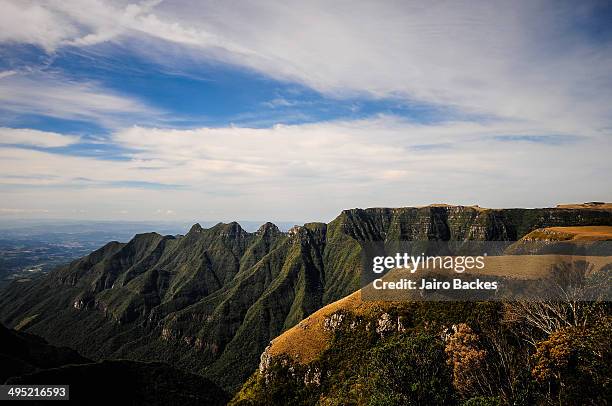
x,y
385,325
264,360
401,324
333,322
293,231
312,377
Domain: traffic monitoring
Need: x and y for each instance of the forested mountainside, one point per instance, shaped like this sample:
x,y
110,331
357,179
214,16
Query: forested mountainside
x,y
210,301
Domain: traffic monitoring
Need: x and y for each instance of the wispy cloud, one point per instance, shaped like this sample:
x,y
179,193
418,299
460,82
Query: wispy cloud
x,y
540,138
57,96
26,136
83,23
7,73
34,23
13,210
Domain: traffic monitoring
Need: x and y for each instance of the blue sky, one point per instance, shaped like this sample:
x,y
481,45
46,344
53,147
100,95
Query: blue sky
x,y
206,94
182,110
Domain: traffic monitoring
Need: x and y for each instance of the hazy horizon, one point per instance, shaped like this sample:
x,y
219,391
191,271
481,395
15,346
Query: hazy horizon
x,y
26,226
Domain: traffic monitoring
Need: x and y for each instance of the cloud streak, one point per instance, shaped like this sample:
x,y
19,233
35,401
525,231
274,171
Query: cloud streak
x,y
26,136
57,96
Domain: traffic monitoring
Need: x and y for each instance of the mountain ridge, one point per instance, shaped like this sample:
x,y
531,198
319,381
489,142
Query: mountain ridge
x,y
210,301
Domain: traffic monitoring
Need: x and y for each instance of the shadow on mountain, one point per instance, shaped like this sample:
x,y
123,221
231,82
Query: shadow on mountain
x,y
28,360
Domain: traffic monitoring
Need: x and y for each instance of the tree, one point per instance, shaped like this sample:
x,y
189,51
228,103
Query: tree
x,y
575,297
409,370
574,363
468,361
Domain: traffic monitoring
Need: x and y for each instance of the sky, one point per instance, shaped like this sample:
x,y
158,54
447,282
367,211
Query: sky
x,y
267,110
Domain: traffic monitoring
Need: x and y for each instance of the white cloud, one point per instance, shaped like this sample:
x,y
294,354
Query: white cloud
x,y
7,73
57,23
311,171
56,96
13,211
165,212
32,22
26,136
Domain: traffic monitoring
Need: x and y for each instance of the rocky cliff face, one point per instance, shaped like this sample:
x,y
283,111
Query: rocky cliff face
x,y
461,222
210,301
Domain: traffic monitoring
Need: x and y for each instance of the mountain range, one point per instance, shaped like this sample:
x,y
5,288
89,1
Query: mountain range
x,y
209,302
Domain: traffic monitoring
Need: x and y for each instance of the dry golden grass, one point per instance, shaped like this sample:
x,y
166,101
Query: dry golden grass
x,y
475,206
578,234
308,339
587,233
527,267
601,206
